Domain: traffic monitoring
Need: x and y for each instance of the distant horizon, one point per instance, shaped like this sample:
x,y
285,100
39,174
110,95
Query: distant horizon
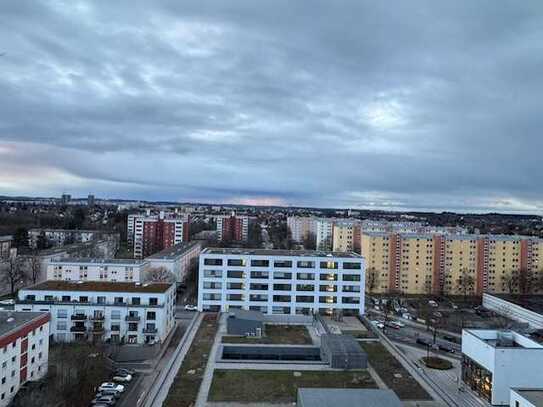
x,y
182,202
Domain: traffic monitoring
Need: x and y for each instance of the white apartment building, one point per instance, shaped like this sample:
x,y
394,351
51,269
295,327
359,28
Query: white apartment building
x,y
60,237
97,310
325,229
130,224
176,259
97,270
301,226
281,281
24,350
494,361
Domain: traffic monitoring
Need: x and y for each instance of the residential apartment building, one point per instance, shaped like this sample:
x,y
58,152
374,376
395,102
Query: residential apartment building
x,y
177,259
233,227
24,350
452,264
325,230
61,237
96,311
346,237
93,269
301,226
281,281
153,233
494,361
5,246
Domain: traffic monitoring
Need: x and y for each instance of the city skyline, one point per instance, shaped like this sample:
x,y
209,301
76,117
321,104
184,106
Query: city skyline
x,y
412,107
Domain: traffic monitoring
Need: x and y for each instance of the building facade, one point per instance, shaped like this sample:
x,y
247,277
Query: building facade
x,y
281,281
61,237
493,362
177,259
301,227
98,311
153,233
129,270
233,228
24,350
451,264
5,246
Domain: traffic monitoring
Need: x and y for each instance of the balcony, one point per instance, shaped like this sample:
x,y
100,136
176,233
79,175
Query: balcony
x,y
98,329
132,318
150,330
78,317
97,317
78,329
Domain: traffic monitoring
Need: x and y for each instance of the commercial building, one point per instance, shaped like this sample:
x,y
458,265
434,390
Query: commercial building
x,y
153,233
177,259
233,227
24,344
495,361
452,264
5,246
281,281
129,270
526,397
318,397
95,311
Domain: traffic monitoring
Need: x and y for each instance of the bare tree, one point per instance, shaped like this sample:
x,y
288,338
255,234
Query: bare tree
x,y
310,241
465,283
12,273
510,282
32,267
159,274
372,279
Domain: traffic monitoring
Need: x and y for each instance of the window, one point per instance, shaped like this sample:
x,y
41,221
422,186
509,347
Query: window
x,y
153,301
62,313
115,314
260,263
66,298
236,262
151,315
136,301
328,265
83,298
101,300
4,364
306,264
13,359
118,300
282,263
213,262
351,266
61,325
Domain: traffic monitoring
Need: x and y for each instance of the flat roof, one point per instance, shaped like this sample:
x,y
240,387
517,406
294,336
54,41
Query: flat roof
x,y
103,286
341,343
173,252
531,302
16,320
450,236
98,261
534,396
319,397
6,238
280,253
504,339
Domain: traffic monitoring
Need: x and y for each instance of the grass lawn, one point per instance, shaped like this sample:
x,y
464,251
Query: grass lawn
x,y
185,387
386,366
277,335
279,386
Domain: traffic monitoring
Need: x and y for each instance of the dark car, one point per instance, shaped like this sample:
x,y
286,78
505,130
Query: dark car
x,y
445,348
113,393
421,341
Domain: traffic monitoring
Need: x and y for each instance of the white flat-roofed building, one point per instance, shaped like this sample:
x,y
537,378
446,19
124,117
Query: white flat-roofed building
x,y
97,310
495,361
24,350
281,281
526,397
130,270
176,259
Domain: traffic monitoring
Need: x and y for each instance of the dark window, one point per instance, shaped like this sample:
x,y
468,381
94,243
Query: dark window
x,y
306,264
83,299
351,266
118,300
329,265
136,301
151,315
153,301
282,263
260,263
213,262
236,262
66,298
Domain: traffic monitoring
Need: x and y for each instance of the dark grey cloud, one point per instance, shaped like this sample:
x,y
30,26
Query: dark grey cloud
x,y
352,103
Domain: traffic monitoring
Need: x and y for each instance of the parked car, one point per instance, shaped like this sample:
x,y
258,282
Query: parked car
x,y
107,400
111,386
438,314
400,324
450,338
122,377
122,370
392,324
190,307
432,303
445,348
424,342
113,393
378,324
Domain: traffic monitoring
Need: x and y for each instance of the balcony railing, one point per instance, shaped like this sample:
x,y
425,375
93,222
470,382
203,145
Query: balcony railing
x,y
132,318
98,329
78,329
78,317
150,330
86,304
97,317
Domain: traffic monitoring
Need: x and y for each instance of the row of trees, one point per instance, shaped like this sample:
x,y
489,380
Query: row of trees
x,y
18,270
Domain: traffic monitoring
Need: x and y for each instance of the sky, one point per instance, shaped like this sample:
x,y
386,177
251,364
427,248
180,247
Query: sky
x,y
418,105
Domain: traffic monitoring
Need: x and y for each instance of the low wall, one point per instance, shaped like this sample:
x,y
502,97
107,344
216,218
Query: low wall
x,y
512,311
288,319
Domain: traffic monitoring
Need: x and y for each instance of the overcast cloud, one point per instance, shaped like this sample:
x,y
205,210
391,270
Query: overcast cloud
x,y
417,105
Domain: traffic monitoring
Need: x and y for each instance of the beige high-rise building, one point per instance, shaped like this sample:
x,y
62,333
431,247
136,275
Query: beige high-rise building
x,y
451,264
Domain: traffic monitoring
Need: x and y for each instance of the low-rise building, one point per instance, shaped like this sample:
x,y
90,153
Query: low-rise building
x,y
526,397
494,361
119,311
24,350
93,269
61,237
319,397
281,281
177,259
